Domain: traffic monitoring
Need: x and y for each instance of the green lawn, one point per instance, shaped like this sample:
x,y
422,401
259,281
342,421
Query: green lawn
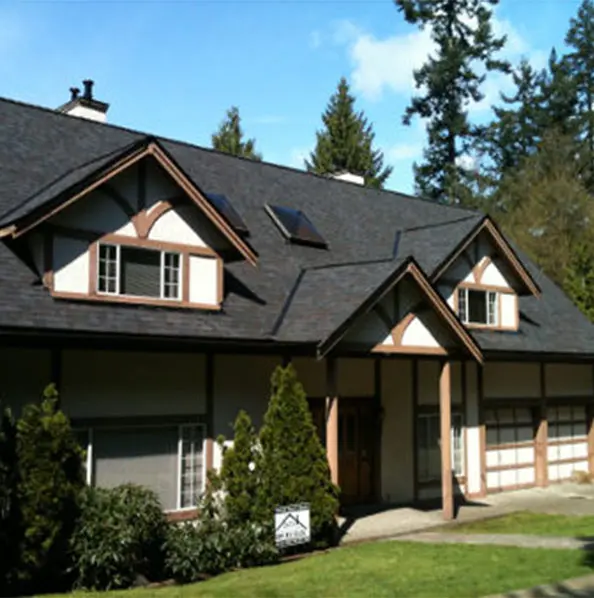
x,y
524,522
390,569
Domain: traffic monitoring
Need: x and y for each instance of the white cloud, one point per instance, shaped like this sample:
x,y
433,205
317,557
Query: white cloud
x,y
386,64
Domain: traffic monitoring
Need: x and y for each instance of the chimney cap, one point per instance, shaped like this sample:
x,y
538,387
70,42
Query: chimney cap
x,y
74,92
88,92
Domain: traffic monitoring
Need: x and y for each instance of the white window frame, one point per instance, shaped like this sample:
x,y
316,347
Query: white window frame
x,y
464,311
435,415
202,427
162,254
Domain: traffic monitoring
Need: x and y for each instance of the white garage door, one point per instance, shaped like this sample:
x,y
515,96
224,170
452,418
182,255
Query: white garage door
x,y
510,448
568,441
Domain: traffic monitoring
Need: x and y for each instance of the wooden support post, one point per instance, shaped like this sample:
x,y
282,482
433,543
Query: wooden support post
x,y
332,419
541,436
445,418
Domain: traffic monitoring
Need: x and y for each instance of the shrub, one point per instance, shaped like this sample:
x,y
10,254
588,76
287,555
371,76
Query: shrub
x,y
10,528
293,464
213,545
238,476
119,538
50,480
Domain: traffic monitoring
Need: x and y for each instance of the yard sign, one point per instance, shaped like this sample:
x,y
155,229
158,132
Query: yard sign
x,y
291,525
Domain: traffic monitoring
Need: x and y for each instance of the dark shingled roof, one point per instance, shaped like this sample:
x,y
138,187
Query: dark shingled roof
x,y
297,293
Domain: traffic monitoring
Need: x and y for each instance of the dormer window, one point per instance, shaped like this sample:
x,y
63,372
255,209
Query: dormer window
x,y
477,306
138,272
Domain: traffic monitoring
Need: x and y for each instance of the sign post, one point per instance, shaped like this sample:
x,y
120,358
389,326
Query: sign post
x,y
291,525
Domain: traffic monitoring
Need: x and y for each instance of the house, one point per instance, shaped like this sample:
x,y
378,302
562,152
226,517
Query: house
x,y
158,284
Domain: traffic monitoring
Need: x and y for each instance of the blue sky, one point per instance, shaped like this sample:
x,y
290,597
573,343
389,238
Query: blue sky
x,y
173,67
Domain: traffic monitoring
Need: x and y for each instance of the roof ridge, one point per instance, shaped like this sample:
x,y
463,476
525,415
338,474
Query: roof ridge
x,y
413,229
385,192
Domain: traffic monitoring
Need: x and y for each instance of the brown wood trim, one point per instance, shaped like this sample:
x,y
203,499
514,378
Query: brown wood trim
x,y
157,245
152,149
510,446
398,332
443,309
93,268
209,365
415,433
503,247
185,278
181,515
220,279
377,458
574,440
141,186
482,430
569,461
149,219
474,286
480,267
464,391
48,260
511,466
412,350
150,301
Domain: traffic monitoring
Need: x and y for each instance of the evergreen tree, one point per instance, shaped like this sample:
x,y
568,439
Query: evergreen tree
x,y
229,138
10,529
580,63
293,464
579,277
346,142
51,478
238,476
451,80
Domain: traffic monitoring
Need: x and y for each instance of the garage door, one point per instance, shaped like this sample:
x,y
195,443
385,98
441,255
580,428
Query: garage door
x,y
568,441
510,448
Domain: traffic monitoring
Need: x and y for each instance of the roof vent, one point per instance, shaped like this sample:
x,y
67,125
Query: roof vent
x,y
349,177
85,105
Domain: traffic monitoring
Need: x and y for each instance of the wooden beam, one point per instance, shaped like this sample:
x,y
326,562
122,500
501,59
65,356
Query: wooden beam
x,y
541,435
445,418
332,419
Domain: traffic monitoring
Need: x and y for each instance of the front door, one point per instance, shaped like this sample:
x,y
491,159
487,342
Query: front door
x,y
356,447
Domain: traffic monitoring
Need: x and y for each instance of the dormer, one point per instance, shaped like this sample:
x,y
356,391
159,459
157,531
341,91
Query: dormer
x,y
483,279
138,232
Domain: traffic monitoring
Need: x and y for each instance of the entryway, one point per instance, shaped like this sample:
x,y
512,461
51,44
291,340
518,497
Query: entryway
x,y
357,447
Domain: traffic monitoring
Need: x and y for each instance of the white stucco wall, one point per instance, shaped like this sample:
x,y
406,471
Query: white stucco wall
x,y
204,274
472,438
120,384
418,335
397,436
493,276
567,380
71,265
509,309
508,380
178,225
24,373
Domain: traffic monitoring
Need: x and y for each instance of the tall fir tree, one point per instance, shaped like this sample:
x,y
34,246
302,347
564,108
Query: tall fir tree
x,y
229,138
451,80
580,63
346,142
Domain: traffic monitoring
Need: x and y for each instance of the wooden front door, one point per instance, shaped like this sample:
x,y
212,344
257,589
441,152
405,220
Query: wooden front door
x,y
357,435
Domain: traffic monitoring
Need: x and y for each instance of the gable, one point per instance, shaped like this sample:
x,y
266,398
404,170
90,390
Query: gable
x,y
140,207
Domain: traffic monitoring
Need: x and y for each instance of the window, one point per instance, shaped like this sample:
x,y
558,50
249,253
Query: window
x,y
165,458
138,272
477,307
295,226
428,446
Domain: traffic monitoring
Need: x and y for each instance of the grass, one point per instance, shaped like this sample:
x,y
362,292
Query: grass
x,y
524,522
388,569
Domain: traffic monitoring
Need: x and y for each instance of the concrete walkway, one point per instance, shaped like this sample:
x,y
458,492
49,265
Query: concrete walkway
x,y
519,540
579,587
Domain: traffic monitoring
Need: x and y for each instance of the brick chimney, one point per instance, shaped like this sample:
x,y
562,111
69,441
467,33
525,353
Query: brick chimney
x,y
85,105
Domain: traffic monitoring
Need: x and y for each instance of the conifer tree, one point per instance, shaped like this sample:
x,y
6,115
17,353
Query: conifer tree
x,y
346,142
238,476
51,478
451,80
293,464
580,63
229,138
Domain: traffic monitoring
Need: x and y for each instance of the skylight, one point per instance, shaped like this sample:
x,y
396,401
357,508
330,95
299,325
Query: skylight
x,y
224,207
295,226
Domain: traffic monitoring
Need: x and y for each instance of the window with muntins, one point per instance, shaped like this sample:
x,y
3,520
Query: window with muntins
x,y
429,450
138,272
478,307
